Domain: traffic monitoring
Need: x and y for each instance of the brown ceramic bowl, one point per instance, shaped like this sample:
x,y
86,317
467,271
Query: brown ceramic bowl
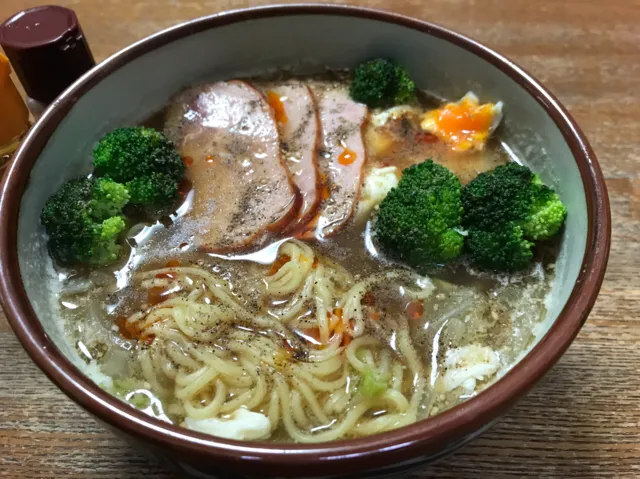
x,y
129,86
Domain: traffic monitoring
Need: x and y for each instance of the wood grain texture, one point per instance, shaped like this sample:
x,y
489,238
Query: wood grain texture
x,y
583,420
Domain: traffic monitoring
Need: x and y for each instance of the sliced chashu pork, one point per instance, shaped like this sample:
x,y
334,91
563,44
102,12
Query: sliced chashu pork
x,y
299,125
341,158
229,139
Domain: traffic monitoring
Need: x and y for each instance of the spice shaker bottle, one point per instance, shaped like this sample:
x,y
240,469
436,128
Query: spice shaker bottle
x,y
48,51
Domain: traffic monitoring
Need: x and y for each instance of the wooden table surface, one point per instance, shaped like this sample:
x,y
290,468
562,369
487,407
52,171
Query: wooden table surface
x,y
583,420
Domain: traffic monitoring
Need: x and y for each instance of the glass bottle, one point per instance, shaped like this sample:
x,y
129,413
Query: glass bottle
x,y
14,115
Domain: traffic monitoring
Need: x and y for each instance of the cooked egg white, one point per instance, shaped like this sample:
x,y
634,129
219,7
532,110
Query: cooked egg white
x,y
465,366
382,117
376,185
242,425
466,124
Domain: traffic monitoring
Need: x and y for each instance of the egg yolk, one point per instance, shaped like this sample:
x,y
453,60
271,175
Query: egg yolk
x,y
464,125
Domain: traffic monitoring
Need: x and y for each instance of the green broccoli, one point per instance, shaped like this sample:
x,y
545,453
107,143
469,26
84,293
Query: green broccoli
x,y
143,159
418,220
108,199
152,189
83,223
547,213
381,83
502,249
505,211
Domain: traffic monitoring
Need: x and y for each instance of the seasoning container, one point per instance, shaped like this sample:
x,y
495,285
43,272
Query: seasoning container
x,y
48,51
14,116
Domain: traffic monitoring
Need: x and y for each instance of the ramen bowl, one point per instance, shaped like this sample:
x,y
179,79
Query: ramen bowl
x,y
139,80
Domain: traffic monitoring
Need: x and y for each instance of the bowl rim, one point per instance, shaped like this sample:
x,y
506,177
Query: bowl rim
x,y
398,445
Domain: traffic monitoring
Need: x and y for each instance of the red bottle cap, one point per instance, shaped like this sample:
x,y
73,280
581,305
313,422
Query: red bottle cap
x,y
47,50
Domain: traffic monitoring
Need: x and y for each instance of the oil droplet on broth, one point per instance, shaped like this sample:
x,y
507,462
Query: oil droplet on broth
x,y
347,157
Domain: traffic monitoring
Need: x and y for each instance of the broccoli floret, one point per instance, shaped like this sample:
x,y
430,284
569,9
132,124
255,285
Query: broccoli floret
x,y
152,189
104,245
418,220
381,83
405,89
501,250
145,160
505,211
547,213
109,198
76,222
